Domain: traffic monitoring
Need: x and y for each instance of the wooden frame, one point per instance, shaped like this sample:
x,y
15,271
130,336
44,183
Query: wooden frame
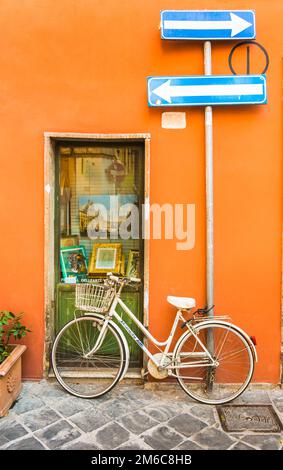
x,y
50,139
99,266
133,254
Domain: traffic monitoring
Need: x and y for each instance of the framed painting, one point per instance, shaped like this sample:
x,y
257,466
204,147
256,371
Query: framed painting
x,y
133,265
70,240
73,263
106,258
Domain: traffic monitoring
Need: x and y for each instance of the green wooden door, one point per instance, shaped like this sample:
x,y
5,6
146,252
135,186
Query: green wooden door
x,y
66,307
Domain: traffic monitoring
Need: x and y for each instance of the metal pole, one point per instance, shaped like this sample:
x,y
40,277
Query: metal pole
x,y
209,189
209,216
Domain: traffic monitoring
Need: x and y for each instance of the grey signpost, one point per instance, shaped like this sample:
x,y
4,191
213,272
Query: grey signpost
x,y
209,189
207,90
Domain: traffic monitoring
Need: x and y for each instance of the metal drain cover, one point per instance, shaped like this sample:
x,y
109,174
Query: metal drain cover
x,y
257,418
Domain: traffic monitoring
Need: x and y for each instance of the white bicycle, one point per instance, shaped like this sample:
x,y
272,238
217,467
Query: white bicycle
x,y
213,360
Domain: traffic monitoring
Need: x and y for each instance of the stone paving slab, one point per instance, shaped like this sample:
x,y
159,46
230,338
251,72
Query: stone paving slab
x,y
23,405
129,417
71,406
264,441
162,412
10,430
242,446
137,422
186,424
135,445
38,419
80,445
88,421
111,436
214,439
189,445
26,444
163,438
58,434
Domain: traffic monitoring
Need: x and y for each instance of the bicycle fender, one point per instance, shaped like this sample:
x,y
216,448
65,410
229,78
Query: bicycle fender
x,y
253,348
251,344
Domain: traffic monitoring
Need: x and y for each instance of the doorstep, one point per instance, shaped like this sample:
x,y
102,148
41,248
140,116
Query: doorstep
x,y
133,375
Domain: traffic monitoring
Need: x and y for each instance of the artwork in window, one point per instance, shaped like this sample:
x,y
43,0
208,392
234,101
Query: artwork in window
x,y
105,258
104,215
116,171
73,263
122,270
133,266
71,240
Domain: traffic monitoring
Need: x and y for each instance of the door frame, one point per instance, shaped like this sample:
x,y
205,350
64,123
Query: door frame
x,y
50,140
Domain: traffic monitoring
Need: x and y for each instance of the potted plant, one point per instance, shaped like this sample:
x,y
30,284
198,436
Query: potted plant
x,y
10,359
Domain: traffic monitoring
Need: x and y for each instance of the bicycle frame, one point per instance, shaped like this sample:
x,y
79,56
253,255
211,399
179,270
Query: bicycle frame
x,y
167,343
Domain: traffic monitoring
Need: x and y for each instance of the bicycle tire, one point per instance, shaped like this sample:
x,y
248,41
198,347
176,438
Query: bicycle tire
x,y
190,385
114,329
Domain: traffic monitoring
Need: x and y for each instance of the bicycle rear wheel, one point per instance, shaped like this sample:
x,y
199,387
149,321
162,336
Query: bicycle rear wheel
x,y
227,380
88,377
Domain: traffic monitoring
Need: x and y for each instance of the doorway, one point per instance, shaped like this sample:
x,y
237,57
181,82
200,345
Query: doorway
x,y
85,177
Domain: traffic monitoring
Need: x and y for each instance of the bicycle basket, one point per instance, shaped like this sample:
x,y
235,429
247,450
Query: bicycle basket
x,y
94,297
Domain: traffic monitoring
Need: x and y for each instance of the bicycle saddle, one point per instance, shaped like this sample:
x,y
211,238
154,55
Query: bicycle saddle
x,y
181,302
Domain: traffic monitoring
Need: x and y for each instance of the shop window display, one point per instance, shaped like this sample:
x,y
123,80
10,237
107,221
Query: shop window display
x,y
99,217
100,188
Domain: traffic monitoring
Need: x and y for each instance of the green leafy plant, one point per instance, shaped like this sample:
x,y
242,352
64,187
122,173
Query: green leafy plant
x,y
10,327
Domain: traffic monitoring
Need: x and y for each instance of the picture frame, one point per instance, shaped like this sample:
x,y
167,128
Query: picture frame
x,y
105,258
73,262
70,240
133,265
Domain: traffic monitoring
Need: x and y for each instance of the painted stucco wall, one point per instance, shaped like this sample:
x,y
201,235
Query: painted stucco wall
x,y
81,66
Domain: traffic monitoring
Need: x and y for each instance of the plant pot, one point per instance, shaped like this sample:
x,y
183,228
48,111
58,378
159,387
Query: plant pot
x,y
11,378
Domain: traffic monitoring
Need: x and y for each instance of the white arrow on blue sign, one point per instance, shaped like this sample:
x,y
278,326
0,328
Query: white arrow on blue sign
x,y
206,90
202,25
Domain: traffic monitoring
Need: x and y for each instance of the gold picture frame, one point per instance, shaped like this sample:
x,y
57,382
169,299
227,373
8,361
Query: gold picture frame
x,y
133,265
105,258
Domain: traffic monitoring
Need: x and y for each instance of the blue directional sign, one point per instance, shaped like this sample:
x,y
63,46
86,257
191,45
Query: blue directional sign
x,y
206,90
202,25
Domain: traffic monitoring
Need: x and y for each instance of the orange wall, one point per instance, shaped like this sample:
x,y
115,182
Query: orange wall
x,y
81,66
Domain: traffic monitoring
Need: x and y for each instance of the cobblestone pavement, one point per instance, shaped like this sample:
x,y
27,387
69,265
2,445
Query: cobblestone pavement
x,y
129,417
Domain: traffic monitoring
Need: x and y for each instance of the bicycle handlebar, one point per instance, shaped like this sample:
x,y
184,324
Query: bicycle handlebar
x,y
134,279
119,280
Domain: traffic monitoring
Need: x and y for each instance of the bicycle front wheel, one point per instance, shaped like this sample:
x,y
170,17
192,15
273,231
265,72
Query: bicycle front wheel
x,y
83,376
233,357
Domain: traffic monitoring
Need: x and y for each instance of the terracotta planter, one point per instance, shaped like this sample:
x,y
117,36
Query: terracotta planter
x,y
11,378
